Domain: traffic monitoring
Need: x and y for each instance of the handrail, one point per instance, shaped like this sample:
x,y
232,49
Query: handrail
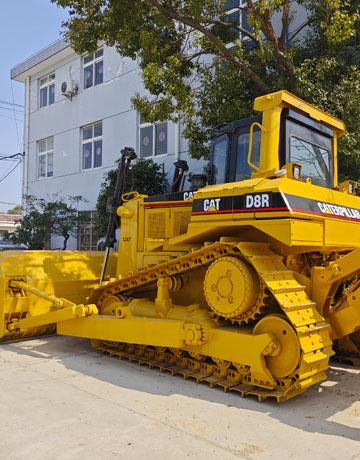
x,y
250,143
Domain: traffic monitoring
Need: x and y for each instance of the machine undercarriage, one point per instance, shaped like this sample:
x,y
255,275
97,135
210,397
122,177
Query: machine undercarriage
x,y
250,283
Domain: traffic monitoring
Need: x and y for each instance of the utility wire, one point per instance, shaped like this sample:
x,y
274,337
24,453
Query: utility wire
x,y
10,168
9,172
11,103
9,159
13,204
12,109
10,118
3,156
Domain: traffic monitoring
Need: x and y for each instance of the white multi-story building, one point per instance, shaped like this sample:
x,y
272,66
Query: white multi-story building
x,y
78,116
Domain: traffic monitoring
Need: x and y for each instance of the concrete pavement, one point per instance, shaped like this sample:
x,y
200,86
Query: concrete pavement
x,y
59,399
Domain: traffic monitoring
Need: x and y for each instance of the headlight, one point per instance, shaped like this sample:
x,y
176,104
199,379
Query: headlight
x,y
297,171
293,170
348,186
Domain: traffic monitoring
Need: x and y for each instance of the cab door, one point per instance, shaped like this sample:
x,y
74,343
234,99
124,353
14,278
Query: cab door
x,y
219,160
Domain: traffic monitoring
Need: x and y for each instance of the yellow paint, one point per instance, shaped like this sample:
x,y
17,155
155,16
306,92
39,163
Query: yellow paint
x,y
189,289
67,274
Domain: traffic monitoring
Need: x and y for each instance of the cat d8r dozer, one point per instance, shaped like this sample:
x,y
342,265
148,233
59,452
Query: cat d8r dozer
x,y
248,283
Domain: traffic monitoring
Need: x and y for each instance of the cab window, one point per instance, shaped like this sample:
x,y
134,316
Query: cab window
x,y
310,143
243,169
219,162
315,161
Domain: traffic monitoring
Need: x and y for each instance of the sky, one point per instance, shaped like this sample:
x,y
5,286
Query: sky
x,y
27,26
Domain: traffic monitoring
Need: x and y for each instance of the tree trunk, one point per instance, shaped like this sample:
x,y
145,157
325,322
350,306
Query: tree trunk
x,y
66,237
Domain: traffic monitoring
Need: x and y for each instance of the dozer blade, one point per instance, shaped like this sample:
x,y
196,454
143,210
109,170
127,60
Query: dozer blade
x,y
31,282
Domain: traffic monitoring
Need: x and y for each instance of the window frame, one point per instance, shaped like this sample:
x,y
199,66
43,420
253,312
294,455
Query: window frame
x,y
233,130
255,156
93,62
242,21
47,84
295,125
327,181
154,126
214,174
93,140
45,153
89,226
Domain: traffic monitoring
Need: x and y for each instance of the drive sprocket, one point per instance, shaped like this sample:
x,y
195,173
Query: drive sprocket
x,y
233,290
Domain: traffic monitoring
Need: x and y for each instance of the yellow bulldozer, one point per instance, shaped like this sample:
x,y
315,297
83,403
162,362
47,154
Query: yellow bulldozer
x,y
248,283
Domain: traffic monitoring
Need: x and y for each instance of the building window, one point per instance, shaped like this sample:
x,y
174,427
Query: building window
x,y
45,158
87,239
47,90
92,146
153,139
237,12
93,69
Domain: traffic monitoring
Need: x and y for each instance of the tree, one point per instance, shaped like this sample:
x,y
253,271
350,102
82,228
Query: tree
x,y
65,218
34,230
162,32
46,218
145,176
16,210
191,71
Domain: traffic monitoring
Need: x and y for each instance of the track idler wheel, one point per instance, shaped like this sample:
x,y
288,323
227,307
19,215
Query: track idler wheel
x,y
231,287
283,358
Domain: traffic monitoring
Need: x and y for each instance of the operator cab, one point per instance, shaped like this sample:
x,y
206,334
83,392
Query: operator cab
x,y
302,140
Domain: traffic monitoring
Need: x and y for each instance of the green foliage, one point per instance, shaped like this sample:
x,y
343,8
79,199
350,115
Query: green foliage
x,y
145,176
336,89
191,73
34,230
45,218
15,210
329,77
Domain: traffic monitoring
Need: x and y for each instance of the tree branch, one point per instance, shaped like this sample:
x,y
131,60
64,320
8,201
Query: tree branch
x,y
230,25
285,21
190,57
299,29
218,44
280,55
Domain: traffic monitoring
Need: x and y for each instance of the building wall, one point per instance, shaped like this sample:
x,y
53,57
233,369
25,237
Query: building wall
x,y
109,102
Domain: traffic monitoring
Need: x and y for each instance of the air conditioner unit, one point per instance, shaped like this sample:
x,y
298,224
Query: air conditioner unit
x,y
69,89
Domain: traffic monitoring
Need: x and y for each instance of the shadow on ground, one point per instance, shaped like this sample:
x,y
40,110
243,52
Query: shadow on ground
x,y
339,392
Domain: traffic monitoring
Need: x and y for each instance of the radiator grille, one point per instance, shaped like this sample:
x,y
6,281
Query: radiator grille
x,y
156,225
181,221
